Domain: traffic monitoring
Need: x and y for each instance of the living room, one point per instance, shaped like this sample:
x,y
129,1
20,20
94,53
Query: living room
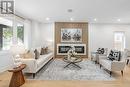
x,y
65,43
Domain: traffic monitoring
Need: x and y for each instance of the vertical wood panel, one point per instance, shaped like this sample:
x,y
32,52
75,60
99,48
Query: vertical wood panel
x,y
81,25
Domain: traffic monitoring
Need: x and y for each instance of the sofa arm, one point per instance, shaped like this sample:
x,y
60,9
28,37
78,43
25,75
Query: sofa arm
x,y
31,65
117,65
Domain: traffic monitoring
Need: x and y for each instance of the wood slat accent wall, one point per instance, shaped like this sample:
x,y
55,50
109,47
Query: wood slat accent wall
x,y
81,25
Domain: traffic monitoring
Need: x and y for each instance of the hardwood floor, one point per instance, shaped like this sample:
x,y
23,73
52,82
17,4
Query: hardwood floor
x,y
121,81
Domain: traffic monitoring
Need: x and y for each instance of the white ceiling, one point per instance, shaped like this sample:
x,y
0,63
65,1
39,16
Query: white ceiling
x,y
105,11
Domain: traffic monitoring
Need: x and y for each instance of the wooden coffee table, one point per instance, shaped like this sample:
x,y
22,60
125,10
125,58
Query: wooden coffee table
x,y
17,78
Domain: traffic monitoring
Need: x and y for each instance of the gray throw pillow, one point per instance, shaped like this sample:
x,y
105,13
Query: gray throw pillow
x,y
37,54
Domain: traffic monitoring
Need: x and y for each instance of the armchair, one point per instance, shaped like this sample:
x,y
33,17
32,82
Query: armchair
x,y
127,56
113,65
95,56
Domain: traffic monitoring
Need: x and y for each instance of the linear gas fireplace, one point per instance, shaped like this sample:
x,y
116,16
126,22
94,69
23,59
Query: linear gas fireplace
x,y
62,49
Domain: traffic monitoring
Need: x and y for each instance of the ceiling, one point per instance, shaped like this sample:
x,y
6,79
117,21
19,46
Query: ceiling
x,y
103,11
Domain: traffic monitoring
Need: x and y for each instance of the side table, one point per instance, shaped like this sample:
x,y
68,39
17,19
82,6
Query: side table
x,y
17,78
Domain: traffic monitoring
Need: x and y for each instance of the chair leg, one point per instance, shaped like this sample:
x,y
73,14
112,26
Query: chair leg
x,y
33,75
122,72
127,61
110,73
100,65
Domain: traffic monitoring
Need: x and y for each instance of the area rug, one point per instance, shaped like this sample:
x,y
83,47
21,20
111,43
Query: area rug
x,y
56,71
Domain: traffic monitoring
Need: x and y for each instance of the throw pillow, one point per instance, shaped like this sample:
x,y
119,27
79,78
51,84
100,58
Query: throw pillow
x,y
100,50
46,50
37,54
110,56
42,51
117,55
114,55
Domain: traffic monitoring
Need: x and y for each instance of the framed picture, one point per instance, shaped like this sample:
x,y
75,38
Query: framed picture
x,y
71,35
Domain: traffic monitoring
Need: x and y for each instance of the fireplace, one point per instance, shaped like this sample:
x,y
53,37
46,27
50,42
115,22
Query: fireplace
x,y
62,49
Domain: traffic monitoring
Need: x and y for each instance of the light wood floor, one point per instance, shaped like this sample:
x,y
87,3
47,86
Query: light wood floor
x,y
121,81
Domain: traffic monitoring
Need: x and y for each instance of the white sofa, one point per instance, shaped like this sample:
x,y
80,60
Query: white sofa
x,y
113,65
34,65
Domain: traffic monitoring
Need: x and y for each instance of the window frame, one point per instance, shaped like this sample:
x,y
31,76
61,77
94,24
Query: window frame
x,y
124,40
14,21
23,31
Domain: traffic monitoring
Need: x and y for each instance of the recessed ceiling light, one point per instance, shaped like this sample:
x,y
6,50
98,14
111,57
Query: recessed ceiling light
x,y
47,18
70,10
119,20
71,19
95,19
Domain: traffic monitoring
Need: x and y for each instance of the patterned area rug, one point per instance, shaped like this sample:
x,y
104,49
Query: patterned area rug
x,y
56,71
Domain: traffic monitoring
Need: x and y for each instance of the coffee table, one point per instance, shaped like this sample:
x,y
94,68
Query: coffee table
x,y
72,61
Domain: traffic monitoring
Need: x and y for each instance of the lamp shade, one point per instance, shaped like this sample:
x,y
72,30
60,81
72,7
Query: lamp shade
x,y
17,49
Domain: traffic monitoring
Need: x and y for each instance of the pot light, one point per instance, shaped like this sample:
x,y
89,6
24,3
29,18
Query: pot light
x,y
119,20
47,18
71,19
95,19
70,10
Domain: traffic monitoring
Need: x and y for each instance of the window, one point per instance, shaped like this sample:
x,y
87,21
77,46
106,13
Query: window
x,y
20,33
6,35
119,41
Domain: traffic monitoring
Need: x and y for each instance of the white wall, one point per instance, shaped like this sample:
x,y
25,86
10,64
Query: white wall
x,y
47,33
27,33
35,34
102,35
6,60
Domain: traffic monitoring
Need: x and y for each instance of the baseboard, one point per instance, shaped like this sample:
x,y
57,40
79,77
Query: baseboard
x,y
5,68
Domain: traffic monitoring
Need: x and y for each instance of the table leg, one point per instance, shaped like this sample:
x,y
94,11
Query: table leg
x,y
67,65
77,65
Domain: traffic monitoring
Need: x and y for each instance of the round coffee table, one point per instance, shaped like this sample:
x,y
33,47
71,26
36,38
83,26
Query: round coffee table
x,y
73,61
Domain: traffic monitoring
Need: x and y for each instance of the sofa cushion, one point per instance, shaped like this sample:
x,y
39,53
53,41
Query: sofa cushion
x,y
29,55
43,59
